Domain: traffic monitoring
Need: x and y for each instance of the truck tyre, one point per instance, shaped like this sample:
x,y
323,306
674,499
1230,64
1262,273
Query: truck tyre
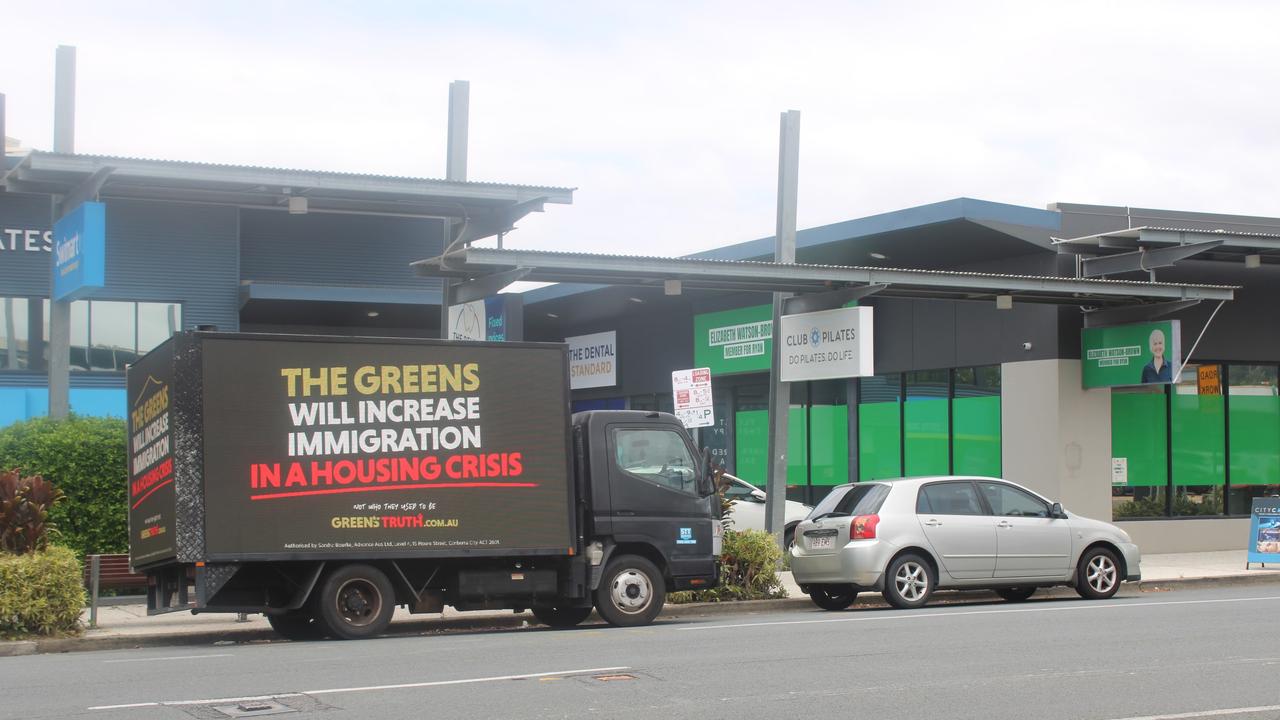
x,y
355,601
296,625
561,617
631,592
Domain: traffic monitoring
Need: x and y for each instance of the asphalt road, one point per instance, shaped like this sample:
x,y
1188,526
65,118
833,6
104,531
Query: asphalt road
x,y
1187,654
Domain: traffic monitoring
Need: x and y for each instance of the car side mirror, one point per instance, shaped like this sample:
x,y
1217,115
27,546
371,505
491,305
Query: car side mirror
x,y
1056,511
758,496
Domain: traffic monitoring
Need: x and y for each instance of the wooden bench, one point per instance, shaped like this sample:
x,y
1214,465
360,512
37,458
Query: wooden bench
x,y
113,574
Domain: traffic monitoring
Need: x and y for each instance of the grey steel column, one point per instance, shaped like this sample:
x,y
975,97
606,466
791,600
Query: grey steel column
x,y
455,170
780,392
64,132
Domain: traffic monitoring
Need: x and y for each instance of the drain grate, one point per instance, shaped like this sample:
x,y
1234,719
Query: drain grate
x,y
254,708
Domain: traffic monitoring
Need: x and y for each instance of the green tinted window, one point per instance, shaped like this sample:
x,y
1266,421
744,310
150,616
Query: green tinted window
x,y
975,439
1138,436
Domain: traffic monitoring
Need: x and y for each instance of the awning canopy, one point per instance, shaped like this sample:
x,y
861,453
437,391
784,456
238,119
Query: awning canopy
x,y
486,270
487,208
1221,245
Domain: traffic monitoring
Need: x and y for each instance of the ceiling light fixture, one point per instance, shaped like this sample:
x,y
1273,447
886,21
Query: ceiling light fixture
x,y
879,256
372,313
553,316
635,300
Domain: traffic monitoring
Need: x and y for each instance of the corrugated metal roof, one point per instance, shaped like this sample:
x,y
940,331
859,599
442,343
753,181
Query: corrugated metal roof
x,y
1136,232
108,159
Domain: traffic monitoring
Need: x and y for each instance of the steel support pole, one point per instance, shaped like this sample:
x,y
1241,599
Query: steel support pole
x,y
95,578
455,170
64,131
779,391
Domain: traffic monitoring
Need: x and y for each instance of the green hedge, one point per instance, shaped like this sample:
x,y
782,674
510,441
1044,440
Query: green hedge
x,y
748,570
40,593
85,458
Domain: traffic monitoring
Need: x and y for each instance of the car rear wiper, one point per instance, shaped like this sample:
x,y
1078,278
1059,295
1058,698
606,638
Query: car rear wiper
x,y
829,514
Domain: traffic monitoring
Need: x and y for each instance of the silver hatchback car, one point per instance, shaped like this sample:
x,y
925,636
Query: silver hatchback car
x,y
907,538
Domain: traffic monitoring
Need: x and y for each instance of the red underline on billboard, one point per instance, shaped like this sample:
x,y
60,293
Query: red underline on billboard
x,y
144,497
336,491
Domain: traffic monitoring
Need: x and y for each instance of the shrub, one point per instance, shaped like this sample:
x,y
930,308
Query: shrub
x,y
24,512
86,458
748,570
40,593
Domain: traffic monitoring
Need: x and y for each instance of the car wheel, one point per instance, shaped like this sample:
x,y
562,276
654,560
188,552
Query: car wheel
x,y
296,625
1016,594
910,581
832,599
631,592
561,617
356,601
1098,575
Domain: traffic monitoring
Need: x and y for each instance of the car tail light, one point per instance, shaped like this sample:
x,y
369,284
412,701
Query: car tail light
x,y
863,527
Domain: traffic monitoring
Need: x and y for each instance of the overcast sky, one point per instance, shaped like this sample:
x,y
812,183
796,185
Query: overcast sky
x,y
664,116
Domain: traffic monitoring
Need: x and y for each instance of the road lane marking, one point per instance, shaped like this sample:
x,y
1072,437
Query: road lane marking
x,y
1208,713
366,688
913,615
174,657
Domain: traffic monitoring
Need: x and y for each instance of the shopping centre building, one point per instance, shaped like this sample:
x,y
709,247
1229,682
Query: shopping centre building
x,y
983,382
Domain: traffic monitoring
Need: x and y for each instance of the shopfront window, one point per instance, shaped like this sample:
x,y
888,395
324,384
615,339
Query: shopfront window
x,y
975,422
926,424
880,427
107,335
15,336
828,434
1199,443
1204,446
1254,432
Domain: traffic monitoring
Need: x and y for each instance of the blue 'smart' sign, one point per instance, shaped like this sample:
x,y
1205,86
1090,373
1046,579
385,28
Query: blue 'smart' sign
x,y
80,252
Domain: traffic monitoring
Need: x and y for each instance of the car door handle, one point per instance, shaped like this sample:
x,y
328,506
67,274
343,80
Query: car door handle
x,y
931,522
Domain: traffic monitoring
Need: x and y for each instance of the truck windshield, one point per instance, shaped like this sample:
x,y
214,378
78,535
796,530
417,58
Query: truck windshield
x,y
659,456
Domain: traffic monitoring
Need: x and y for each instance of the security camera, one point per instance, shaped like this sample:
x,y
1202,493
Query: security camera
x,y
1026,346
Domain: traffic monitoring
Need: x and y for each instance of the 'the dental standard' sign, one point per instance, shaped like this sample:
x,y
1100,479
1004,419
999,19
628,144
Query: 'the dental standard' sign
x,y
827,345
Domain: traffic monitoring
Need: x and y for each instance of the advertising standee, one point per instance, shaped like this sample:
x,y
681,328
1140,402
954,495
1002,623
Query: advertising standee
x,y
1264,531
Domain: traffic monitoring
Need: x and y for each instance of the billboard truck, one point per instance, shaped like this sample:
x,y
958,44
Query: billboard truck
x,y
324,481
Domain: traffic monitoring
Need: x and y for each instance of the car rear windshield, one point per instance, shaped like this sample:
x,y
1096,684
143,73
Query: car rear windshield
x,y
861,499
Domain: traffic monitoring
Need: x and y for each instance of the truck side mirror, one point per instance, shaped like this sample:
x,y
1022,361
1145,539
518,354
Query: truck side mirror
x,y
707,480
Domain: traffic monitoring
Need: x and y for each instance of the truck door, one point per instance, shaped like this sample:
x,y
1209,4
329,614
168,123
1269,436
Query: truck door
x,y
653,486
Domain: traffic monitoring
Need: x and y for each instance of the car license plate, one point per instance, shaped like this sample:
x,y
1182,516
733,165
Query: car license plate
x,y
822,543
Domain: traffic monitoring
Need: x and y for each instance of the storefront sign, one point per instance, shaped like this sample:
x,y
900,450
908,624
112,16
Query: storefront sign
x,y
692,392
80,252
479,320
25,240
1264,531
1147,353
827,345
593,360
734,341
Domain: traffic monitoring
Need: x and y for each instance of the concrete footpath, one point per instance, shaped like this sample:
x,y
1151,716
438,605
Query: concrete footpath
x,y
124,622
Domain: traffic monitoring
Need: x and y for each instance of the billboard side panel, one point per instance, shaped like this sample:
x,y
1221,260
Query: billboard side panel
x,y
152,521
326,447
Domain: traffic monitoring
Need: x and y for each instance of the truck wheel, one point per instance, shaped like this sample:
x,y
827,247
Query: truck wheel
x,y
296,625
631,592
561,617
356,601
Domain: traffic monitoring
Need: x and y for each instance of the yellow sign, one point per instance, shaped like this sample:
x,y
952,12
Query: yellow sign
x,y
1210,377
